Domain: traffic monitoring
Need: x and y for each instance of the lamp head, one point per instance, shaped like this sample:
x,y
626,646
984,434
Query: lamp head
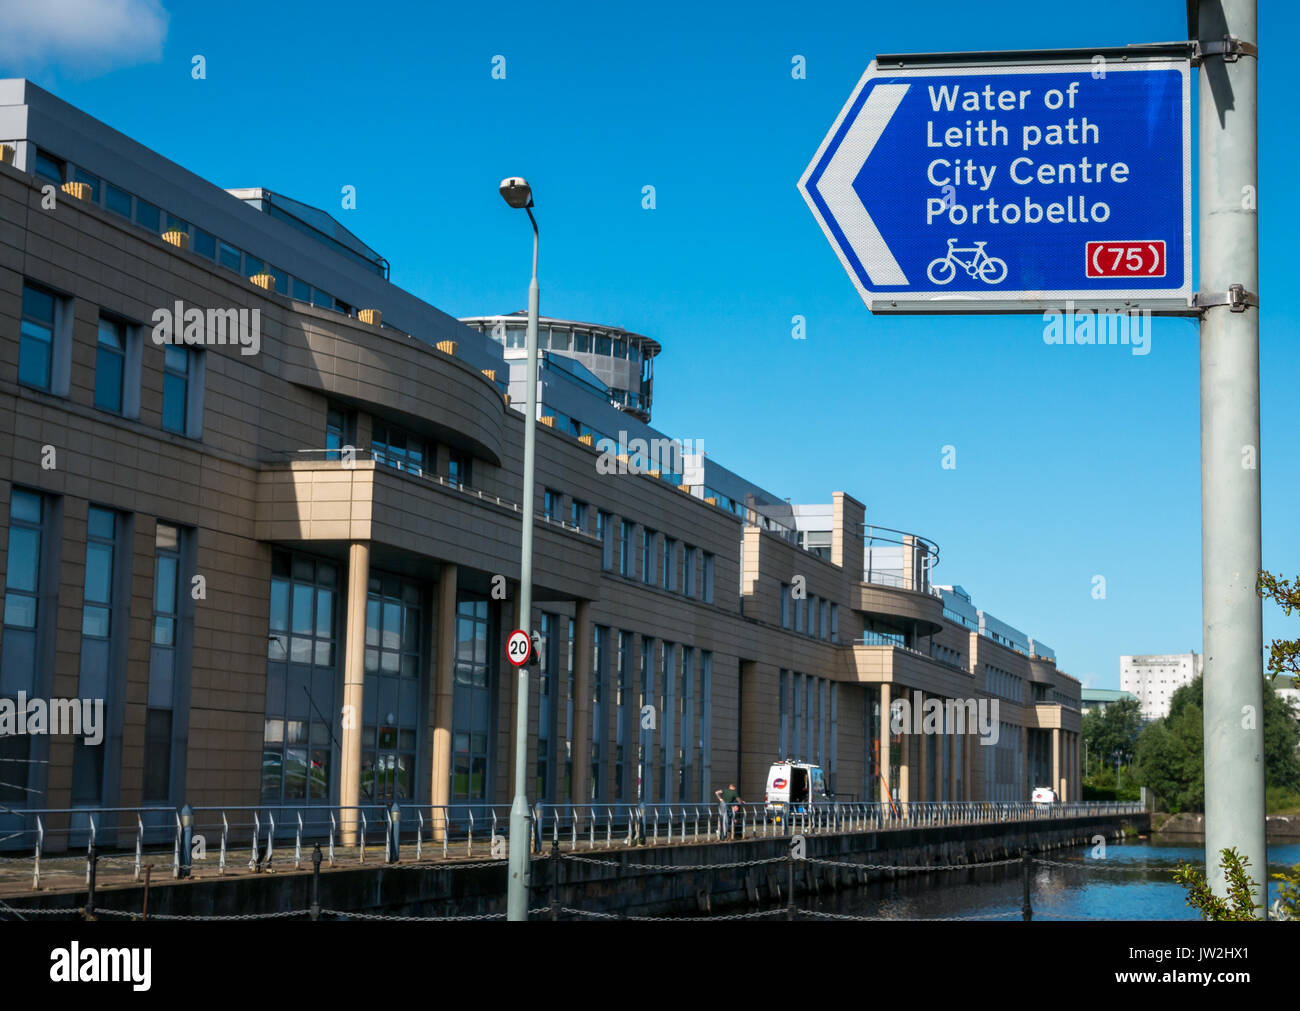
x,y
516,192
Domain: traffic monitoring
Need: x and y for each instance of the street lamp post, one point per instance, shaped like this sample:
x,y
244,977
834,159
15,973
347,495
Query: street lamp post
x,y
519,195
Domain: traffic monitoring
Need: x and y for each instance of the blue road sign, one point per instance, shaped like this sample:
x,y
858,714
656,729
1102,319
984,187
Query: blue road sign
x,y
1012,188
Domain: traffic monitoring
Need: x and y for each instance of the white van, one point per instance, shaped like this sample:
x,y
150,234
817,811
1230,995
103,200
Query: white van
x,y
1043,796
794,788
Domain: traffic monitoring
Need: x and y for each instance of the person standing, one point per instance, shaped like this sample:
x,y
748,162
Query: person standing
x,y
730,802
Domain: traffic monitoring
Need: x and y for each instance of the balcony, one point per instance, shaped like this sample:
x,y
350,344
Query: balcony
x,y
899,559
318,495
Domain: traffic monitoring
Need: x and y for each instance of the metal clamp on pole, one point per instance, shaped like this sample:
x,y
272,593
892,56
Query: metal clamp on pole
x,y
1236,298
1231,49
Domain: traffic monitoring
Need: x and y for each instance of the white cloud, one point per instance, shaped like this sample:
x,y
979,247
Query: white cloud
x,y
80,36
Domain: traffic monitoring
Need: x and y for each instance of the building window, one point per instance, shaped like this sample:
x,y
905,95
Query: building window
x,y
785,605
117,200
82,176
667,712
170,637
686,732
570,643
458,469
229,257
645,740
50,167
599,676
149,217
36,343
395,447
706,724
578,514
110,364
603,520
783,711
394,619
688,572
624,548
302,657
22,574
205,244
623,722
157,755
670,564
545,709
647,555
835,623
472,702
708,578
97,632
340,431
178,363
166,587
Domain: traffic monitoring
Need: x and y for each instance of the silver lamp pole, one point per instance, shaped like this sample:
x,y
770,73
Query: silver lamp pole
x,y
519,195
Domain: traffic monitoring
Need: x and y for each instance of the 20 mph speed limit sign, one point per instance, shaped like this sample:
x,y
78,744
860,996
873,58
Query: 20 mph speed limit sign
x,y
518,647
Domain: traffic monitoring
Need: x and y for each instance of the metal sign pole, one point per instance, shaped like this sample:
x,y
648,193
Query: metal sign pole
x,y
1230,487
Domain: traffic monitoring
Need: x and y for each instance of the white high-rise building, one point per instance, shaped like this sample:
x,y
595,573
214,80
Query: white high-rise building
x,y
1154,678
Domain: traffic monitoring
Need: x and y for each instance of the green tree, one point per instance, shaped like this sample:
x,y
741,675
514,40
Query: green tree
x,y
1114,728
1171,752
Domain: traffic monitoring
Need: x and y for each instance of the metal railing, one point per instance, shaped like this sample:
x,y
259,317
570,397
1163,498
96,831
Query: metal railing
x,y
412,831
602,826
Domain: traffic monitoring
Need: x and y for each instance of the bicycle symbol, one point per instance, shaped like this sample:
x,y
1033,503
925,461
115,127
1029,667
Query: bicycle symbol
x,y
989,269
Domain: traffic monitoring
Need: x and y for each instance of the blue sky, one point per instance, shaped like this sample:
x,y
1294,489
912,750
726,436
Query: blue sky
x,y
1071,461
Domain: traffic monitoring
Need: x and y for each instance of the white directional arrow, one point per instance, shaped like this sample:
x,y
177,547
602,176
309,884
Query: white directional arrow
x,y
836,184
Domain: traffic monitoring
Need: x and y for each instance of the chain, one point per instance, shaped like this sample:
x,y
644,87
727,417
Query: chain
x,y
448,865
592,914
20,912
916,867
127,914
673,867
411,919
1092,865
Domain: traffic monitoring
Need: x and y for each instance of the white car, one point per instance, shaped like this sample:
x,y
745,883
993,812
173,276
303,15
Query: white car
x,y
1043,795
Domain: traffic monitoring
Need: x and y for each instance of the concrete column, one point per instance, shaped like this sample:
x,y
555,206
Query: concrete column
x,y
1056,759
904,760
354,678
924,776
953,743
968,767
883,770
581,701
444,678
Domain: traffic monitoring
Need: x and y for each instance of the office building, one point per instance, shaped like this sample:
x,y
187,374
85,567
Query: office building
x,y
283,547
